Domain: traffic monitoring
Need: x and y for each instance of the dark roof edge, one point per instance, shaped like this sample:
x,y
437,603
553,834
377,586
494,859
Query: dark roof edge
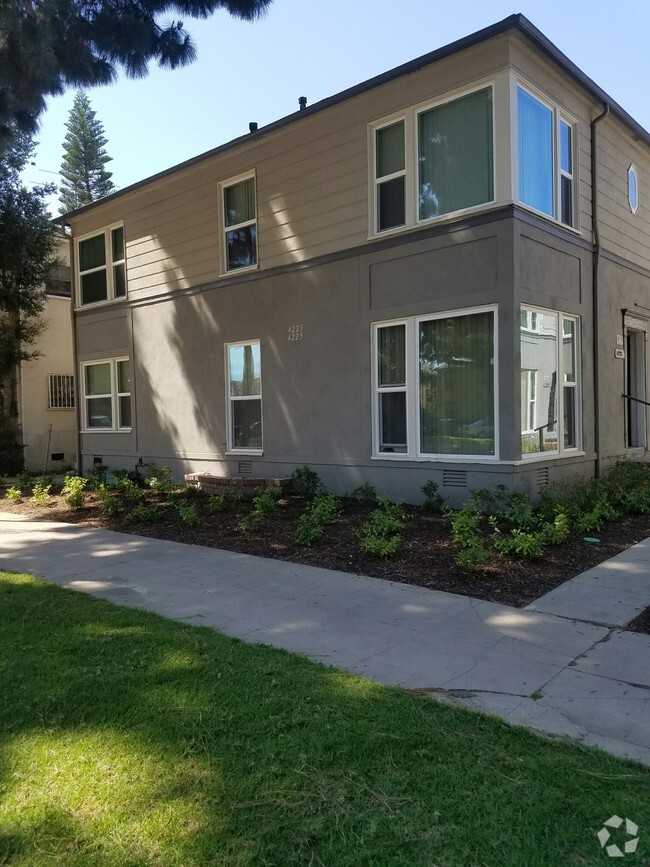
x,y
512,22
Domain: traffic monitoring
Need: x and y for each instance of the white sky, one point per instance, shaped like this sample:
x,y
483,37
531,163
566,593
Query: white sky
x,y
316,48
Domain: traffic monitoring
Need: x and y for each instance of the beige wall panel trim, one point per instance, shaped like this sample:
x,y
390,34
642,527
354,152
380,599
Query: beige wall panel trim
x,y
102,335
547,272
445,273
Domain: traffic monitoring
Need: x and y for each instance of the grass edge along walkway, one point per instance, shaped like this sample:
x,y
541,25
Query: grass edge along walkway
x,y
129,739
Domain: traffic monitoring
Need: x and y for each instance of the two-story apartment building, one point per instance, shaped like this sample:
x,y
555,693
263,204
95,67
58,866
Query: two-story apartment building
x,y
440,274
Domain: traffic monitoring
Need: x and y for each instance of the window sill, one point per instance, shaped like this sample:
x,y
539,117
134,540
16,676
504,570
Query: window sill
x,y
432,221
240,452
235,271
553,220
546,456
106,430
107,303
439,459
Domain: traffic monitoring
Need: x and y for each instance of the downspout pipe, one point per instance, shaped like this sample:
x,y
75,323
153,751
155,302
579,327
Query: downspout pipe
x,y
595,283
75,357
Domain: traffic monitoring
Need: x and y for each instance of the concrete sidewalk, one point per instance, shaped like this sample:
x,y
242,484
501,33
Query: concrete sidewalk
x,y
561,666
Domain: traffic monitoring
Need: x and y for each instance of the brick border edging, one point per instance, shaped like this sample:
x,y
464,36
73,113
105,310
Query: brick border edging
x,y
210,484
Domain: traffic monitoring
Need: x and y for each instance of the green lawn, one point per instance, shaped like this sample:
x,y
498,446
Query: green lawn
x,y
128,739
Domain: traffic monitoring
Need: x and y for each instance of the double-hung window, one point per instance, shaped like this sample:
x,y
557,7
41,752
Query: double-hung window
x,y
433,161
435,385
239,211
546,158
101,266
550,382
244,389
107,395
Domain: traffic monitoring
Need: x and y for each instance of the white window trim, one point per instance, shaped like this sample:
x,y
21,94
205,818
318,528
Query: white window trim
x,y
230,449
108,267
223,229
559,114
561,451
410,118
114,396
414,452
632,170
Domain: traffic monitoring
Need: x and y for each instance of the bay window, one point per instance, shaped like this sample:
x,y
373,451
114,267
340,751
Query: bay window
x,y
107,395
546,157
101,266
550,382
435,385
244,389
433,161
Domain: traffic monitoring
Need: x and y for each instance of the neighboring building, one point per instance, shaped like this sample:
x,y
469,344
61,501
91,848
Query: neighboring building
x,y
46,383
401,283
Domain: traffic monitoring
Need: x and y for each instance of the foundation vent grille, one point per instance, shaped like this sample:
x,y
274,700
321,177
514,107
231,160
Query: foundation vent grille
x,y
454,479
244,468
542,477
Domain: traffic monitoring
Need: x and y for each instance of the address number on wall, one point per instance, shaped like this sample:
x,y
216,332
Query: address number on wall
x,y
294,332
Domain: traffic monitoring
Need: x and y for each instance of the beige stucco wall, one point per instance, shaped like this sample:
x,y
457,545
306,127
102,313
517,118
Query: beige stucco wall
x,y
55,347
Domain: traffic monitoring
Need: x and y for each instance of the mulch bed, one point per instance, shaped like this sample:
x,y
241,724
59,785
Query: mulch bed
x,y
425,559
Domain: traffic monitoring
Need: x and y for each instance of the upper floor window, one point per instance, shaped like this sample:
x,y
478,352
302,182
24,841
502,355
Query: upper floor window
x,y
433,161
546,158
239,245
633,188
101,266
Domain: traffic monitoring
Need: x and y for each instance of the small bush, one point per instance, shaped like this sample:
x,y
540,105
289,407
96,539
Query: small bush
x,y
23,479
41,492
14,494
143,514
227,500
131,492
159,479
264,503
365,493
97,476
382,532
323,510
473,555
307,482
108,502
433,501
74,491
189,514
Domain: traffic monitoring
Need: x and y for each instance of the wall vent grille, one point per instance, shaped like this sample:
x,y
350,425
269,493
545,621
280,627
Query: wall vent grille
x,y
454,479
542,477
245,468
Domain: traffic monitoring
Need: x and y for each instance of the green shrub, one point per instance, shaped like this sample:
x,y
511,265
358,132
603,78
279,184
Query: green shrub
x,y
41,492
366,493
475,554
307,482
159,479
131,492
519,543
108,502
143,514
74,491
14,494
264,503
228,499
323,510
465,526
382,532
189,514
433,501
23,479
97,476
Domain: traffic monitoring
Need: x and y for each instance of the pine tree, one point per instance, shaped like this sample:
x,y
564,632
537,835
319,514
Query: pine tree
x,y
85,178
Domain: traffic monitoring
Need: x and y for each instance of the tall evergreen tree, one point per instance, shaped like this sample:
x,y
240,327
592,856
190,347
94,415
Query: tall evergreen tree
x,y
85,178
49,45
27,245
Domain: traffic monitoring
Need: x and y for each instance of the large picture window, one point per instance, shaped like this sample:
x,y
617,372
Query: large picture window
x,y
244,374
107,395
101,266
550,382
434,161
546,156
239,223
435,391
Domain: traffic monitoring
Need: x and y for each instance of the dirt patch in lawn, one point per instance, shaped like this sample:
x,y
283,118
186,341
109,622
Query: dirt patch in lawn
x,y
425,558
